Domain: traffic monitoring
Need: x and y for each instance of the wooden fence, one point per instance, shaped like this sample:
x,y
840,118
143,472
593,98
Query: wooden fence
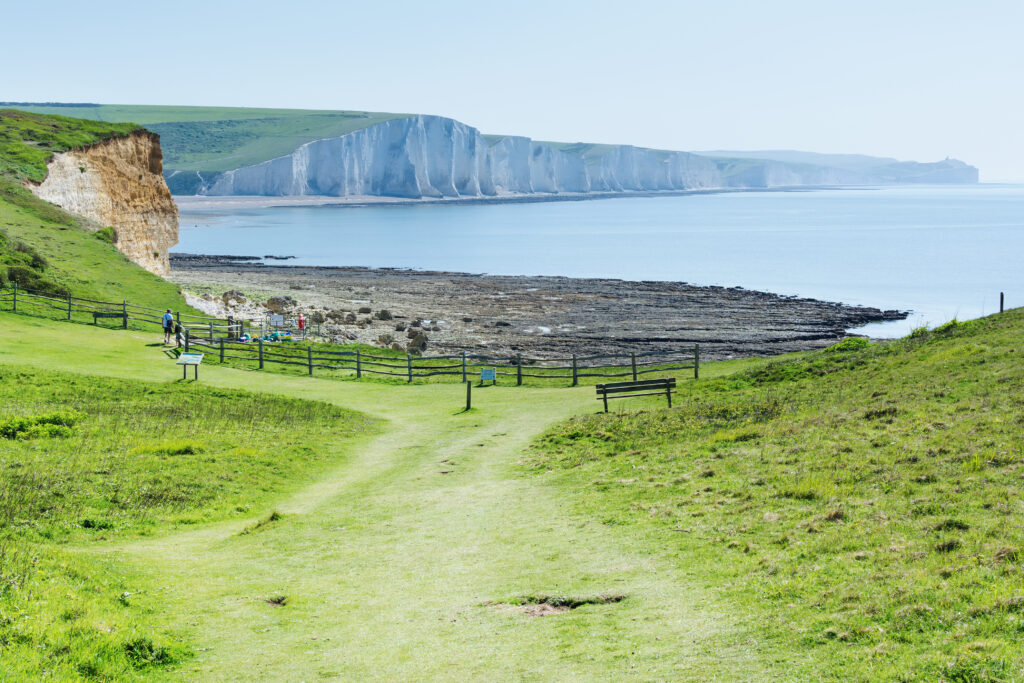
x,y
218,339
465,366
21,300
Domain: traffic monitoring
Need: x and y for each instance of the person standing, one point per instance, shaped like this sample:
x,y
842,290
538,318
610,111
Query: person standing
x,y
302,325
168,326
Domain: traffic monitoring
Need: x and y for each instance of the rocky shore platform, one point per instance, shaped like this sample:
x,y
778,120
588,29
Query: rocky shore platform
x,y
538,316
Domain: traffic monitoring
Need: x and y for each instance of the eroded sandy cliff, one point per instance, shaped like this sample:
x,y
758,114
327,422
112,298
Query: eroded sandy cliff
x,y
119,183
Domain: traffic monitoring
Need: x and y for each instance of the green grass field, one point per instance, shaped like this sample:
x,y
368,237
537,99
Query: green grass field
x,y
861,506
838,515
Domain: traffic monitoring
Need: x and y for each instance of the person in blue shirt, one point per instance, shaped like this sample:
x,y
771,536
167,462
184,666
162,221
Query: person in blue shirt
x,y
168,326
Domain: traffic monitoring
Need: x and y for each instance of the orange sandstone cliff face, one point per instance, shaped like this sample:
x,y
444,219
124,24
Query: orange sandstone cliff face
x,y
119,183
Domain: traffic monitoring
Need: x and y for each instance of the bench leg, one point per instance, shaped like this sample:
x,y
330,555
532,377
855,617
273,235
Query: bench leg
x,y
605,397
668,394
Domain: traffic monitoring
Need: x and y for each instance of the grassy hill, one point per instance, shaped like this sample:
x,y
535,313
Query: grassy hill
x,y
210,140
860,505
45,249
90,458
849,514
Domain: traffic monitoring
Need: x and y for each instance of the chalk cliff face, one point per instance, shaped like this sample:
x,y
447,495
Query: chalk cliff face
x,y
119,183
437,157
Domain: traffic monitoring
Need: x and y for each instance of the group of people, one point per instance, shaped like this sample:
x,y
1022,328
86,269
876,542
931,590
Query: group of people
x,y
172,326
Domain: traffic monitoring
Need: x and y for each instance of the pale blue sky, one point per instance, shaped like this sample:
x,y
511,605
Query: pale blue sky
x,y
912,79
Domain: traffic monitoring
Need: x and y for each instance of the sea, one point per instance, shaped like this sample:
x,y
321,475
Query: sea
x,y
940,252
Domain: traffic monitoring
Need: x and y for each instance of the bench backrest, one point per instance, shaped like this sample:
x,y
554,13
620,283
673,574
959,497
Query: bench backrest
x,y
639,385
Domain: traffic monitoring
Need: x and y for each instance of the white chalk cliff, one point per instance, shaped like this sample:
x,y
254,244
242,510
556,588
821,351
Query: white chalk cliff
x,y
437,157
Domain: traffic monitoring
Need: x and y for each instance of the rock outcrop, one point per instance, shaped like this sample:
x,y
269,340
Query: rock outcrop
x,y
426,157
119,183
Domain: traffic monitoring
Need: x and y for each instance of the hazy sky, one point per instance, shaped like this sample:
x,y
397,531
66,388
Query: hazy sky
x,y
914,80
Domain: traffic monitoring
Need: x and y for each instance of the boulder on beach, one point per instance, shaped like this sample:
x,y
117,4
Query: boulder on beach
x,y
233,297
383,314
280,304
418,343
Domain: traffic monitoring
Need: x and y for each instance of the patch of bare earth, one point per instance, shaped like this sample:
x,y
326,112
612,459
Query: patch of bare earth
x,y
549,605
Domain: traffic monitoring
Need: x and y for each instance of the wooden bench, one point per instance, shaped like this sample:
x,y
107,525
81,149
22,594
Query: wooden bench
x,y
643,387
96,315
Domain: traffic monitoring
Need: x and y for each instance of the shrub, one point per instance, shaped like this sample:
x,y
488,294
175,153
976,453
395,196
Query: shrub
x,y
107,234
34,426
850,344
142,653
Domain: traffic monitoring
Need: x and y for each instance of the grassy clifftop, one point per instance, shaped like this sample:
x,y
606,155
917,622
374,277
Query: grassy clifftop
x,y
215,139
27,141
46,249
861,505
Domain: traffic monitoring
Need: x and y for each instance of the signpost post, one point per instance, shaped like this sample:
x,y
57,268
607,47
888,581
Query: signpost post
x,y
187,359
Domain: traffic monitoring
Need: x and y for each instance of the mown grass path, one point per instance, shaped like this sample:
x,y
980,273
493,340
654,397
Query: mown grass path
x,y
388,561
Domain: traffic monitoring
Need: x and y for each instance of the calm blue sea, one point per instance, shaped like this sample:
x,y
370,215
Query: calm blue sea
x,y
940,251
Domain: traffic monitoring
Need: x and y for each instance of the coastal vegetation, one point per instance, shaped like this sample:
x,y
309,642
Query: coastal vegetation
x,y
89,460
840,514
214,139
46,249
859,503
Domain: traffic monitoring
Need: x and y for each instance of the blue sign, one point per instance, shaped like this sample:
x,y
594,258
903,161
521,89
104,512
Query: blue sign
x,y
488,374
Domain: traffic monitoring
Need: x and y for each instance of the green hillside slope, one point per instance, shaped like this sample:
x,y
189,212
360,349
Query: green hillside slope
x,y
215,139
45,249
861,505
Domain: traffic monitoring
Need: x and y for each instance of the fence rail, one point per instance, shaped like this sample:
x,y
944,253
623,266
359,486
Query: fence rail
x,y
468,366
219,339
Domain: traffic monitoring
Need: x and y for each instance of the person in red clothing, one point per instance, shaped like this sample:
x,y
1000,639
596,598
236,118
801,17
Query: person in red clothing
x,y
302,325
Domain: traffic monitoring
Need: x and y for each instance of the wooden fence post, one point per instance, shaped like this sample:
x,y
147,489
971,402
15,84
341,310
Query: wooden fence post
x,y
186,340
469,395
1000,302
211,331
124,310
309,357
632,362
69,307
519,369
464,374
222,350
408,357
15,297
177,317
261,353
696,361
574,371
359,364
